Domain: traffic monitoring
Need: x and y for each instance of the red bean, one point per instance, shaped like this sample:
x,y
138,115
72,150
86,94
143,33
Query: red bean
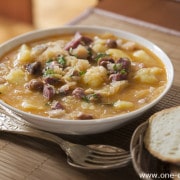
x,y
104,61
35,84
111,43
84,116
48,91
56,105
79,93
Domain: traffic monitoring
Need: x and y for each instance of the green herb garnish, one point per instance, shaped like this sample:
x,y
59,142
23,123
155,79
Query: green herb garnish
x,y
89,52
117,67
90,97
85,98
81,73
123,71
61,60
48,72
100,55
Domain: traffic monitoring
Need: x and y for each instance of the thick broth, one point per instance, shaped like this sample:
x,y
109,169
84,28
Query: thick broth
x,y
80,76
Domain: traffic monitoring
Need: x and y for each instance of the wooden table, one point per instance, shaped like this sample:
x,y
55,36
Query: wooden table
x,y
162,12
32,159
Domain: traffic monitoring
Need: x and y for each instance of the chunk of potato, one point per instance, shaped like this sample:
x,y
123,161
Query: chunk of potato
x,y
53,49
129,45
71,61
99,45
29,105
56,113
117,53
95,76
80,52
24,55
143,57
86,105
113,88
82,65
16,76
148,75
123,105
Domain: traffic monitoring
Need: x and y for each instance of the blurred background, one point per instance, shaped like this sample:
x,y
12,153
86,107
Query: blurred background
x,y
20,16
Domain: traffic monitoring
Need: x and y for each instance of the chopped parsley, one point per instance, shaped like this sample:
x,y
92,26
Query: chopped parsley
x,y
100,55
81,73
61,60
123,71
117,67
90,97
89,52
85,98
48,72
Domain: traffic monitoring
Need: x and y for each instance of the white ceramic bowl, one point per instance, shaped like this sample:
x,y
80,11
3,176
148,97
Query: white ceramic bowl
x,y
81,127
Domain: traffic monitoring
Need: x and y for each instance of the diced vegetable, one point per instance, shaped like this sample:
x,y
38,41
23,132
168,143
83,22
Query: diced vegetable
x,y
148,75
24,56
95,76
123,105
117,53
143,57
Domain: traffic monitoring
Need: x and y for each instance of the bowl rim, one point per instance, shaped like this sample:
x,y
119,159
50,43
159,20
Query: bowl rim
x,y
41,33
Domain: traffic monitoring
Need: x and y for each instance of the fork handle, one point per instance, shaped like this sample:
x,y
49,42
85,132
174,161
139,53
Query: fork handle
x,y
11,123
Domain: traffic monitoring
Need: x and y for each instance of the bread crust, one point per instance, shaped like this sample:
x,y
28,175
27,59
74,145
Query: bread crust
x,y
149,138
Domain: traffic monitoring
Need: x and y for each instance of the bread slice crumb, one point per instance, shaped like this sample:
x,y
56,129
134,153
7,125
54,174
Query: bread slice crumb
x,y
162,138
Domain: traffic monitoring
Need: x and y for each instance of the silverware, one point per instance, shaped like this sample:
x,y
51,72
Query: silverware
x,y
94,156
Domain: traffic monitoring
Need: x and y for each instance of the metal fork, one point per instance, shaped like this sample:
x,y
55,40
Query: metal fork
x,y
80,156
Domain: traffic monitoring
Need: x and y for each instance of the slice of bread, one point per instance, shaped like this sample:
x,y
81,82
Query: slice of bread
x,y
162,138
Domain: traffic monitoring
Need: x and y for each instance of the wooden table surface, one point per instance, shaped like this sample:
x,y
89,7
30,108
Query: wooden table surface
x,y
32,159
162,12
